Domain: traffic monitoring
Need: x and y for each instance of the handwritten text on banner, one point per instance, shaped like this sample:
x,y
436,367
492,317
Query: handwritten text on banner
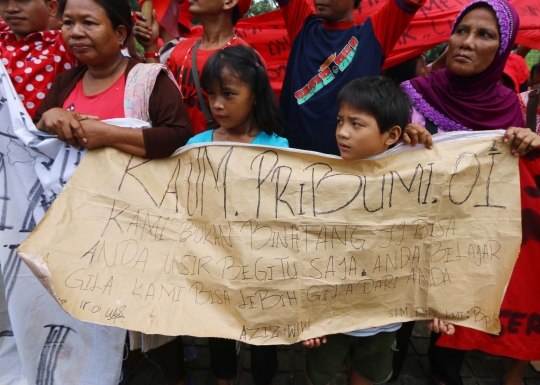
x,y
273,246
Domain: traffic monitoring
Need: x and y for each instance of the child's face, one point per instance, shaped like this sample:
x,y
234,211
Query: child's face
x,y
334,10
27,16
358,134
232,102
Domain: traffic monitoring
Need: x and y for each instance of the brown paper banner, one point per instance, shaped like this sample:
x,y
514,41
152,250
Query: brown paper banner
x,y
274,246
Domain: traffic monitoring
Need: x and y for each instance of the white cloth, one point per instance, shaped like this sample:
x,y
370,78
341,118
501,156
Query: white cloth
x,y
57,161
39,342
11,371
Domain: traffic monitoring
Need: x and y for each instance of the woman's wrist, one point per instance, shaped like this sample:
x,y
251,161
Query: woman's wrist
x,y
110,135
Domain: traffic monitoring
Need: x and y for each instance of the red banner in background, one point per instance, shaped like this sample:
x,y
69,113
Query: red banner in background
x,y
520,310
433,23
267,34
431,26
529,30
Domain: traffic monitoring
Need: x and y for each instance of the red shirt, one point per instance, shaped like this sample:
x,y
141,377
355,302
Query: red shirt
x,y
180,65
33,62
108,104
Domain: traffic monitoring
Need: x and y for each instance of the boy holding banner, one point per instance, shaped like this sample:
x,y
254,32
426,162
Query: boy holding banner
x,y
373,115
328,51
32,54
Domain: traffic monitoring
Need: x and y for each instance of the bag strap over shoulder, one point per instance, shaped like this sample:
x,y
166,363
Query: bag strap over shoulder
x,y
532,104
140,84
204,107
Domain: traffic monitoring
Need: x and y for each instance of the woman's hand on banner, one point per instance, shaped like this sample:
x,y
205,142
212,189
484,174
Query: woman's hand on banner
x,y
523,140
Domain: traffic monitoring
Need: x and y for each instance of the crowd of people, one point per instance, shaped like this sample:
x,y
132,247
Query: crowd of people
x,y
67,60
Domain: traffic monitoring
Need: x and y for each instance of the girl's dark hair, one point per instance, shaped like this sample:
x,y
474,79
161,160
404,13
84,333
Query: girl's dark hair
x,y
245,64
119,13
379,97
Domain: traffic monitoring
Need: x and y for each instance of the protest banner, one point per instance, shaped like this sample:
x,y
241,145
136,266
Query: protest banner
x,y
520,310
39,342
273,246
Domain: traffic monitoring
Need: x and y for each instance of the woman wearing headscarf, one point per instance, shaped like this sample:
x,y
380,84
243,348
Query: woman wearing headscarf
x,y
467,96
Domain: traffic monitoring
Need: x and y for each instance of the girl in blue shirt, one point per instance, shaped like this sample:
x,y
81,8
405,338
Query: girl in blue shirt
x,y
242,101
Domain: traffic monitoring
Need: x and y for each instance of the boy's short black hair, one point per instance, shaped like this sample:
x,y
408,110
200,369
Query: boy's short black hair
x,y
379,97
357,3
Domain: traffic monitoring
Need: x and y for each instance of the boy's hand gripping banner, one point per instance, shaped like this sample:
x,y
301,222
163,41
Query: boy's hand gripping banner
x,y
274,246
